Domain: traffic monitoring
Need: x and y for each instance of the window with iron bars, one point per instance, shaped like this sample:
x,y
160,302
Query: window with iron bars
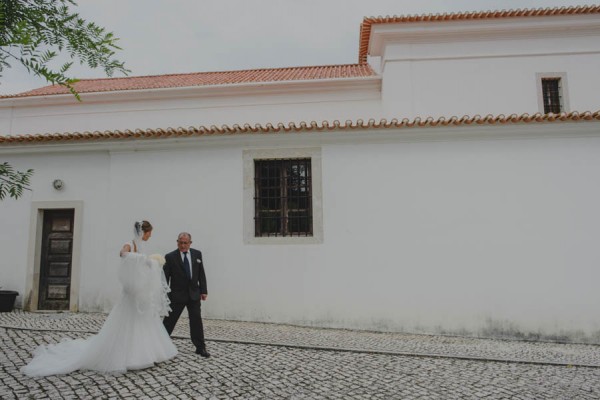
x,y
283,198
551,93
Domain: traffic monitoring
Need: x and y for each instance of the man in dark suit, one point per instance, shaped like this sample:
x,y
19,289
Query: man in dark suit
x,y
184,271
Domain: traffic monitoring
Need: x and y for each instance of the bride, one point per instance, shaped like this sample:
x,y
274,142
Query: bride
x,y
133,336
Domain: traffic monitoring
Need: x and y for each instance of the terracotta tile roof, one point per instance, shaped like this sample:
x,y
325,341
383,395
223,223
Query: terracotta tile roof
x,y
280,128
368,22
207,79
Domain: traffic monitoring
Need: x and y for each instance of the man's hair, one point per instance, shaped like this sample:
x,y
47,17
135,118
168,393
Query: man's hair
x,y
184,234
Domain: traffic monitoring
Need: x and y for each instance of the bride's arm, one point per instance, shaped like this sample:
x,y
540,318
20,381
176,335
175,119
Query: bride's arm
x,y
126,249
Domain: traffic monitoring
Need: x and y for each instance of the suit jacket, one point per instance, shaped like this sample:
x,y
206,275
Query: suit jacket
x,y
184,289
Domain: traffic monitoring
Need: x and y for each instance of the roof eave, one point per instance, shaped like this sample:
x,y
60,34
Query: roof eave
x,y
491,127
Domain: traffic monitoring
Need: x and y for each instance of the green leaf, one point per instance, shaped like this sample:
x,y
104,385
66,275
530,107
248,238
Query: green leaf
x,y
35,32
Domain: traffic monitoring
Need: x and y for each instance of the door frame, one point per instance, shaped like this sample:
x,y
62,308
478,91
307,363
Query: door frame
x,y
34,252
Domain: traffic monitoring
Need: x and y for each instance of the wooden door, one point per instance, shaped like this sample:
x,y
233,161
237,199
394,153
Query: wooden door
x,y
57,254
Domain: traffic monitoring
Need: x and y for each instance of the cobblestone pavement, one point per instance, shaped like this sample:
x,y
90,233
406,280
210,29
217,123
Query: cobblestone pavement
x,y
268,361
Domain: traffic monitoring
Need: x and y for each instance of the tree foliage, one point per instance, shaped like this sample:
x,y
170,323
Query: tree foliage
x,y
34,32
12,183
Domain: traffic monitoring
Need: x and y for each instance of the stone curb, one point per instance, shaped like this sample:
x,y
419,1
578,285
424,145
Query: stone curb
x,y
344,350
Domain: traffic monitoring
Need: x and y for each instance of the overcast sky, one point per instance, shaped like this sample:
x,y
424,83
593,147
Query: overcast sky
x,y
179,36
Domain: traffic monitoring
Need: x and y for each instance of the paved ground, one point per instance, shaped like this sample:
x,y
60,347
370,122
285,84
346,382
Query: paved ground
x,y
267,361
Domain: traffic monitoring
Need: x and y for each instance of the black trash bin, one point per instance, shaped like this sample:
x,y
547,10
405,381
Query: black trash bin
x,y
7,300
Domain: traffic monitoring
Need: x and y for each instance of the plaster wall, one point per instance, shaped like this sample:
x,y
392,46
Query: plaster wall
x,y
486,86
5,120
466,235
477,236
203,106
485,234
468,74
14,235
86,179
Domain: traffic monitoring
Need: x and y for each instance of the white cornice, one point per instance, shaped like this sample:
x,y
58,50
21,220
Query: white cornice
x,y
232,90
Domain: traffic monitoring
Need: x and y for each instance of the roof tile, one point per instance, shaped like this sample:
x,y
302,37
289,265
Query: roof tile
x,y
312,126
207,79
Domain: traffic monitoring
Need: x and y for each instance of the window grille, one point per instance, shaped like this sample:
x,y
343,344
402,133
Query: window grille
x,y
551,92
283,199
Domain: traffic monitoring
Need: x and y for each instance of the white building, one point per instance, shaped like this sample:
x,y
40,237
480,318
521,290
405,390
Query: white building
x,y
453,181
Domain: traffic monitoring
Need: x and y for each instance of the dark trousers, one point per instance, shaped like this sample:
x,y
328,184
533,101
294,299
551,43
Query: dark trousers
x,y
196,328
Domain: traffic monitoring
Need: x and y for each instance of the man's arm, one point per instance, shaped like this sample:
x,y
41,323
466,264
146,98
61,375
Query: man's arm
x,y
202,278
167,268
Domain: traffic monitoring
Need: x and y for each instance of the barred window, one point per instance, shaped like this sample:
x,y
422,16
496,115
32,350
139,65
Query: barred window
x,y
283,198
551,93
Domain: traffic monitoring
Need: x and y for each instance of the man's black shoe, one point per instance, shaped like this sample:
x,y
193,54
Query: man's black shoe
x,y
203,353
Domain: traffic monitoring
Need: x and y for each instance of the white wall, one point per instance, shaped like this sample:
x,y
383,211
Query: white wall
x,y
86,179
455,233
282,102
485,86
485,67
14,235
476,232
478,236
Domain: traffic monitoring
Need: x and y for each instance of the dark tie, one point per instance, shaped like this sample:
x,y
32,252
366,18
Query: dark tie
x,y
186,265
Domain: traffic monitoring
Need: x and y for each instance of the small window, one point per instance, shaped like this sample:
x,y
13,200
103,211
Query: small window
x,y
552,95
283,197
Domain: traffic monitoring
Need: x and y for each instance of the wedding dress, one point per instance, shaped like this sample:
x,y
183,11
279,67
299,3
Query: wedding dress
x,y
132,337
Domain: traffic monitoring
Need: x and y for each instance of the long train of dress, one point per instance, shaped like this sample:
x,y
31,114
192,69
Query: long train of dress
x,y
132,337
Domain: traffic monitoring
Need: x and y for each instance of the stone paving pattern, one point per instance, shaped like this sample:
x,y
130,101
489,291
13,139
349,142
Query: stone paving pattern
x,y
269,361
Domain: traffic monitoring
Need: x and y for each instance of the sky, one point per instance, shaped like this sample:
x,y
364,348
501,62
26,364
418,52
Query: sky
x,y
181,36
